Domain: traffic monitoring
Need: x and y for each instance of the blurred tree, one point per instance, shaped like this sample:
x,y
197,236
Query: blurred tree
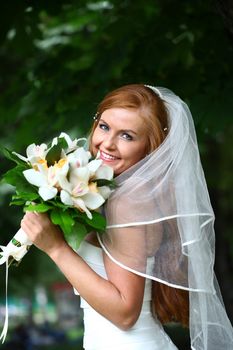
x,y
225,8
58,59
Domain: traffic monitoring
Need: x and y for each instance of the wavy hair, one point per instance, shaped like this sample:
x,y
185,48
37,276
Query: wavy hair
x,y
168,304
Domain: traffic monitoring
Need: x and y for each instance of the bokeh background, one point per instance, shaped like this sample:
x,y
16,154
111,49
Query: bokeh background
x,y
57,61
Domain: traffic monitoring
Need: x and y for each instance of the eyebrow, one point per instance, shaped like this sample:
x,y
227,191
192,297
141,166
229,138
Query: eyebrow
x,y
122,130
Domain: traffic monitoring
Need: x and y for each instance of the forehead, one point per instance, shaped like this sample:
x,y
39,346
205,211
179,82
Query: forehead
x,y
123,118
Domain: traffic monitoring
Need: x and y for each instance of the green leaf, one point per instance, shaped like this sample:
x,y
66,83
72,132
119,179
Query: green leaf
x,y
17,202
59,204
98,221
16,178
26,196
40,208
79,231
21,197
54,154
9,155
63,219
15,174
103,182
62,142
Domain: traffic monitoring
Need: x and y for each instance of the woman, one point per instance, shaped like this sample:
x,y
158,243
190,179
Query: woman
x,y
159,228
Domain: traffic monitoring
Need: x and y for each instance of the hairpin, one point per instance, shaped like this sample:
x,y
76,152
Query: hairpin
x,y
164,129
96,116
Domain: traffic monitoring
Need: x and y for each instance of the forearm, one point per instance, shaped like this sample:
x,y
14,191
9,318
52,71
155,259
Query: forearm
x,y
114,298
100,293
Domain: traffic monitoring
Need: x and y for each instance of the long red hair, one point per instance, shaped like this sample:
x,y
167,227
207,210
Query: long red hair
x,y
168,304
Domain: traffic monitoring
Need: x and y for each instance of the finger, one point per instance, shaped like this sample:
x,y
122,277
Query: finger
x,y
29,215
31,219
32,214
35,212
26,225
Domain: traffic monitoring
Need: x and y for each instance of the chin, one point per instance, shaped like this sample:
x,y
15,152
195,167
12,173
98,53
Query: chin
x,y
117,172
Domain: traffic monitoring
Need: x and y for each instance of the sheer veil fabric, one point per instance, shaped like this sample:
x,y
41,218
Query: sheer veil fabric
x,y
161,209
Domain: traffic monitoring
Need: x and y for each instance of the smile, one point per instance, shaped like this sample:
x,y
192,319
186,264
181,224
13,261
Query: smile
x,y
106,156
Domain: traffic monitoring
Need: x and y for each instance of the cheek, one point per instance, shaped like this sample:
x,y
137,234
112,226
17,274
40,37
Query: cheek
x,y
95,139
92,145
136,155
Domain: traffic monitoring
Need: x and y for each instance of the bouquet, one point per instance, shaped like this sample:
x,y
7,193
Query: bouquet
x,y
60,178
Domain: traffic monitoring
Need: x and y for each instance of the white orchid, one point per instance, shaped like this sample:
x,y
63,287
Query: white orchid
x,y
73,176
79,189
104,172
80,192
72,144
48,179
34,153
79,158
100,170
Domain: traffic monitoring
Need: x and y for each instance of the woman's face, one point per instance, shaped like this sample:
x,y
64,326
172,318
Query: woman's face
x,y
120,138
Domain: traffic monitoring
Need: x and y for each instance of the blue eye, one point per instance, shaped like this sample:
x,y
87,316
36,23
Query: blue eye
x,y
103,126
127,136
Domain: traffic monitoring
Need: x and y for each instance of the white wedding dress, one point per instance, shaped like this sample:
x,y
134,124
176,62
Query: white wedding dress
x,y
101,334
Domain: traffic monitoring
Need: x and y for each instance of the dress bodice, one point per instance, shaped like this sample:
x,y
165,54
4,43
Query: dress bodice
x,y
101,334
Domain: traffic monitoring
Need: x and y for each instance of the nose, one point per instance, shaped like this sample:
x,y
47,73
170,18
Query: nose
x,y
109,142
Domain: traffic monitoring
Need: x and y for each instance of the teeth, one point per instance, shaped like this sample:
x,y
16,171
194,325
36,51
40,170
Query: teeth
x,y
108,156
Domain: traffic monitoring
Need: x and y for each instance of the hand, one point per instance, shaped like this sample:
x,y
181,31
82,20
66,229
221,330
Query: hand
x,y
42,232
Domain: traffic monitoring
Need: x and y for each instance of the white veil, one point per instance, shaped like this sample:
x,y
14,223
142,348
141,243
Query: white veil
x,y
161,210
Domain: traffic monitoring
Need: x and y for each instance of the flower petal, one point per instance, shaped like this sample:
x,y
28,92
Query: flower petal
x,y
94,165
54,142
42,167
104,191
79,203
30,150
51,176
82,140
66,198
36,151
104,172
64,167
64,183
34,177
80,189
79,174
93,200
20,157
47,192
81,156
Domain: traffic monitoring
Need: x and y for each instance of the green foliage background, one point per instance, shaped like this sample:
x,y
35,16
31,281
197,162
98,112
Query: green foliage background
x,y
59,58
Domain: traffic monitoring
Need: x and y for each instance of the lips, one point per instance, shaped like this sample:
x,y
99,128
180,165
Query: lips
x,y
107,157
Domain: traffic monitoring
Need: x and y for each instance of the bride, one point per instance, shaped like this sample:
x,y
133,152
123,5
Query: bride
x,y
154,263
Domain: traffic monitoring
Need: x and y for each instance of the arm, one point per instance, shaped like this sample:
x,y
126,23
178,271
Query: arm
x,y
119,298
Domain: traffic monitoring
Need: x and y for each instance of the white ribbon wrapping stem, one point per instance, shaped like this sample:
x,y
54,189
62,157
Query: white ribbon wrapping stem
x,y
15,249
